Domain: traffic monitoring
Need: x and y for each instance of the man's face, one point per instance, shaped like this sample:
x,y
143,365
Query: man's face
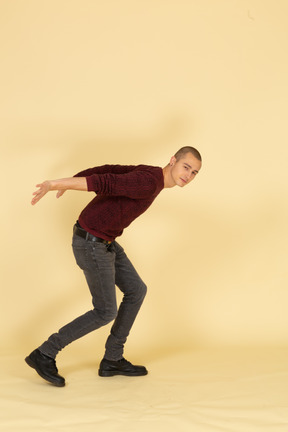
x,y
185,169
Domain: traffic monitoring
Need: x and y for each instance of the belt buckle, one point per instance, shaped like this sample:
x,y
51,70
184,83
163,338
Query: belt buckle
x,y
107,244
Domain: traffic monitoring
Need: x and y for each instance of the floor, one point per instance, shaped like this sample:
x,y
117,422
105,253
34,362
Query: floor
x,y
202,390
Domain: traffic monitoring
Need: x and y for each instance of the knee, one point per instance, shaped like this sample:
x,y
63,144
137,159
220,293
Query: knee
x,y
106,316
140,293
143,290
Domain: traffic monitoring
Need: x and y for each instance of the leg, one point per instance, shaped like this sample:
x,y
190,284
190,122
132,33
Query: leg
x,y
98,264
134,290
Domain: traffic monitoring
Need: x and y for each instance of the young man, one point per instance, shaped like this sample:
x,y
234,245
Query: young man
x,y
122,194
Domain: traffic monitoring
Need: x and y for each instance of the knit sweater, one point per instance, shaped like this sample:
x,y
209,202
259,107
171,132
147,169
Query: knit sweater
x,y
124,192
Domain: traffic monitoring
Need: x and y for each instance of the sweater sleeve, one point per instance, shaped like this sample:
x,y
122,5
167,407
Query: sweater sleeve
x,y
135,184
104,169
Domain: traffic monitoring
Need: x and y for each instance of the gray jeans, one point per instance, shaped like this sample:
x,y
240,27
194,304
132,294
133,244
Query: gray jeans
x,y
104,267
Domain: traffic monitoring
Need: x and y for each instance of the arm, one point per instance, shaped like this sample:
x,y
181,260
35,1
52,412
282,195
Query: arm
x,y
135,184
104,169
61,185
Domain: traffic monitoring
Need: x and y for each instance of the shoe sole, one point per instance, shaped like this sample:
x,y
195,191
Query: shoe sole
x,y
113,373
33,365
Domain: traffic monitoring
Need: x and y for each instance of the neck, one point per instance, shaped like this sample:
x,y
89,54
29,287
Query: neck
x,y
168,181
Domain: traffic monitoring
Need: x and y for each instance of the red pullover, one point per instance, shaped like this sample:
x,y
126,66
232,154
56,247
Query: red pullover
x,y
124,192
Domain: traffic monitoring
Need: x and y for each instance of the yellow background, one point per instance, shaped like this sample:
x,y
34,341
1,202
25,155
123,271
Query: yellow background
x,y
85,83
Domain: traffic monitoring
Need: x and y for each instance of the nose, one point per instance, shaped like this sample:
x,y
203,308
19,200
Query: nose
x,y
192,175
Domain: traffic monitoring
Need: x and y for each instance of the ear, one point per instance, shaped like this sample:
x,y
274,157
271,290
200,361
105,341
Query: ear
x,y
172,161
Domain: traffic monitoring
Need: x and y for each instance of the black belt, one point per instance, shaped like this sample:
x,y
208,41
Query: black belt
x,y
81,232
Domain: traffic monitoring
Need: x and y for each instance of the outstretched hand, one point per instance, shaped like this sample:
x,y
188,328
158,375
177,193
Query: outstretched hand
x,y
43,188
60,185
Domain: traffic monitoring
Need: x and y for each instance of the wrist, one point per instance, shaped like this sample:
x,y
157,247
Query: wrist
x,y
51,184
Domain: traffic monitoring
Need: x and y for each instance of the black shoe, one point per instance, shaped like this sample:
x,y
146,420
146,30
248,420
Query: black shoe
x,y
46,367
121,367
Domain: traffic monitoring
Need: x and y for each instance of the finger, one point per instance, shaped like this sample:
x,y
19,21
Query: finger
x,y
34,201
37,196
60,193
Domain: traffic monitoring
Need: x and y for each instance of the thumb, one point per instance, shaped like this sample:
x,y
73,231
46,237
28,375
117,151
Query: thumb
x,y
60,193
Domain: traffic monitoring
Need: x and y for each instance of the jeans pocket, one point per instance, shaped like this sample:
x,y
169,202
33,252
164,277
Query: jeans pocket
x,y
91,256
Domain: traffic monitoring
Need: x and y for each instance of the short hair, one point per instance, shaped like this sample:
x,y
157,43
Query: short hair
x,y
184,150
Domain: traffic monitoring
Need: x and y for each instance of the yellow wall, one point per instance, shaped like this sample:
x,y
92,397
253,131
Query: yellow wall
x,y
85,83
